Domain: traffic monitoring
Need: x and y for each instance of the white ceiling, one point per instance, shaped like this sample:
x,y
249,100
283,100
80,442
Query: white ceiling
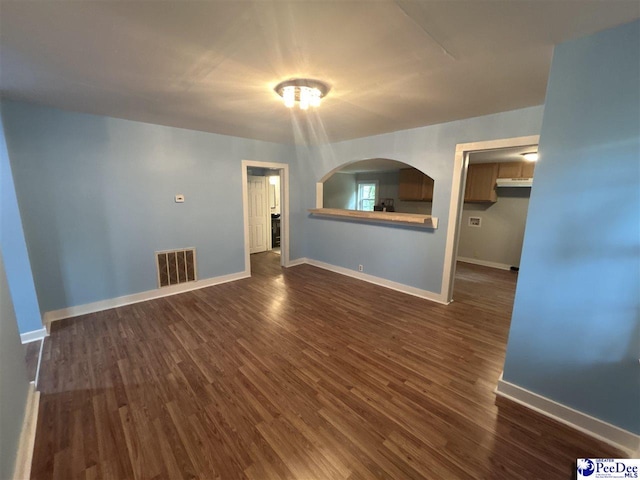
x,y
212,65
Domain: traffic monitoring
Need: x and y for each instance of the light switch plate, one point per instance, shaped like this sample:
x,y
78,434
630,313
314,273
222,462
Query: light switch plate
x,y
179,198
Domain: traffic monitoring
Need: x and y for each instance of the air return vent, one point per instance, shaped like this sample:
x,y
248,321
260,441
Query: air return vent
x,y
176,266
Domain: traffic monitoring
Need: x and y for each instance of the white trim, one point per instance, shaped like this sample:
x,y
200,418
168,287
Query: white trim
x,y
284,210
457,199
22,467
35,381
298,261
603,431
34,335
55,315
485,263
383,282
267,213
319,195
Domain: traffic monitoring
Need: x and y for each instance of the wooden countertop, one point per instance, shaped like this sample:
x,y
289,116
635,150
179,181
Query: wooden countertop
x,y
413,219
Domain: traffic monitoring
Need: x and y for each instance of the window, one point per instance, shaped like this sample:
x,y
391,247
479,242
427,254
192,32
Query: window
x,y
367,195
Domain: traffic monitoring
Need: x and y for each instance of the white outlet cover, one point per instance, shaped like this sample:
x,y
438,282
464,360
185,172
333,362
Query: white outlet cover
x,y
179,198
475,221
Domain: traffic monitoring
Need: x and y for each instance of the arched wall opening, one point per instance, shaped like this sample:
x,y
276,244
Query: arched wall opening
x,y
376,184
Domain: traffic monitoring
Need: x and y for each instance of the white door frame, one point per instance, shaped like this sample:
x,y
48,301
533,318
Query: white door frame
x,y
460,165
267,186
284,209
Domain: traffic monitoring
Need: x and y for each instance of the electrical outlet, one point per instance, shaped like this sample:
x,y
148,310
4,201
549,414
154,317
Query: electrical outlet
x,y
475,222
360,268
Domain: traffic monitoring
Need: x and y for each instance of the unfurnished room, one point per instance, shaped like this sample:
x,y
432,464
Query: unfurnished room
x,y
308,240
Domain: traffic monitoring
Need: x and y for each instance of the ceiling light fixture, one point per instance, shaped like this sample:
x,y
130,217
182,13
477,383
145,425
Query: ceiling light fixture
x,y
307,92
531,156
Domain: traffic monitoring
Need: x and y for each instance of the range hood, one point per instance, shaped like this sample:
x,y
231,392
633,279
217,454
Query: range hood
x,y
514,182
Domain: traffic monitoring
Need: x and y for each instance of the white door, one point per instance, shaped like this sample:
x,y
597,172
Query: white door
x,y
258,215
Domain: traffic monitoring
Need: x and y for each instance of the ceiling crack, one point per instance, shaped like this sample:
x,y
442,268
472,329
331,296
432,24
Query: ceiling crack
x,y
433,39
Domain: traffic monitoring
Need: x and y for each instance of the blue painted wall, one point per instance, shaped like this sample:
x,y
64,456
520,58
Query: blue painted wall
x,y
575,333
12,243
14,383
97,200
412,257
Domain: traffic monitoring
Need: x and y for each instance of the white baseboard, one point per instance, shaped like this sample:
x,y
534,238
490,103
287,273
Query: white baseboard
x,y
22,468
296,262
33,335
484,263
55,315
603,431
383,282
35,381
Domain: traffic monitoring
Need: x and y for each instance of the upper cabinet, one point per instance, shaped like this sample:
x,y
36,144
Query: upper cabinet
x,y
481,183
481,179
516,170
415,185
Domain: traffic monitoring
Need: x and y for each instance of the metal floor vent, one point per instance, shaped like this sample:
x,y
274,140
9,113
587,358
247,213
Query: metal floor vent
x,y
176,266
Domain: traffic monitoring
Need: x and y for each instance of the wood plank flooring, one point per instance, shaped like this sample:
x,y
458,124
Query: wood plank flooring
x,y
295,374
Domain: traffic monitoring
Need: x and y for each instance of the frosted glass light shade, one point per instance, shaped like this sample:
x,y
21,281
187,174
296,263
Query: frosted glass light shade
x,y
307,92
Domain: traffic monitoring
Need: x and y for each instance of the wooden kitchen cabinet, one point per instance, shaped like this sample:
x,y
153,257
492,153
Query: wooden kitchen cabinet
x,y
415,185
481,183
527,169
516,169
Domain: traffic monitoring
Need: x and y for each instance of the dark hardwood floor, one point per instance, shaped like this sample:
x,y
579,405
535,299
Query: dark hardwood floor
x,y
296,374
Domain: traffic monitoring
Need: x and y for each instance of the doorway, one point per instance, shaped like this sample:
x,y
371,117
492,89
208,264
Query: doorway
x,y
265,193
458,188
492,228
